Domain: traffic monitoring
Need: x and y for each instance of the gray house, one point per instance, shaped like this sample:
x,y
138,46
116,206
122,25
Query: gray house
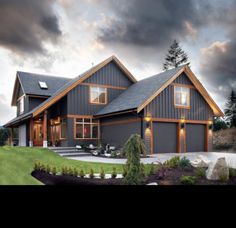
x,y
171,111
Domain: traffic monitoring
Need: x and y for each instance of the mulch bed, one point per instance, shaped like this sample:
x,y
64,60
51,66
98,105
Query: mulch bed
x,y
173,176
49,179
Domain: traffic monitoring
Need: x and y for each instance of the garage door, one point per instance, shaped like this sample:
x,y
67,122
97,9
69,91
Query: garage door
x,y
164,137
195,137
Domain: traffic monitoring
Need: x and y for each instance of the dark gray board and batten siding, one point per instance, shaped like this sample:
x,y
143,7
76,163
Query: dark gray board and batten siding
x,y
78,98
117,133
163,105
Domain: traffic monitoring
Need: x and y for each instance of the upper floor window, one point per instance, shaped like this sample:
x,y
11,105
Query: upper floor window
x,y
98,95
21,106
182,96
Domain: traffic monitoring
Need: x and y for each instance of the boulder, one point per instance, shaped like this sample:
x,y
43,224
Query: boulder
x,y
152,184
200,162
218,170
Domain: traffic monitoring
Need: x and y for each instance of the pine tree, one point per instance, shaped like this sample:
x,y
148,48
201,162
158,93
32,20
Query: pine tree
x,y
230,111
175,57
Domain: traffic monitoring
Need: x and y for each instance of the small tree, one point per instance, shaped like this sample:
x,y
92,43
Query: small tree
x,y
133,148
175,57
219,124
230,111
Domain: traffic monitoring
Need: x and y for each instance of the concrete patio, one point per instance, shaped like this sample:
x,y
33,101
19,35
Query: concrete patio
x,y
212,156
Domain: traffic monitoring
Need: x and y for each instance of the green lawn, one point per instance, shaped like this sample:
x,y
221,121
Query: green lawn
x,y
16,164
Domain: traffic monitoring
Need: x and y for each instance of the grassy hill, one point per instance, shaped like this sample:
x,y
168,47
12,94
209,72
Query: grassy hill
x,y
16,164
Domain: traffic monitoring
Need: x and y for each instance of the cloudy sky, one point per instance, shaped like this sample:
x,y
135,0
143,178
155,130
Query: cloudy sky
x,y
65,37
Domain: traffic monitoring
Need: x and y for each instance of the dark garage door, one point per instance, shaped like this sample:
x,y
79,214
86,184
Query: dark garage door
x,y
195,137
164,137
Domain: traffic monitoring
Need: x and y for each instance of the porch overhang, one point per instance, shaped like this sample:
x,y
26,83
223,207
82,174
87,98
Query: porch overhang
x,y
17,121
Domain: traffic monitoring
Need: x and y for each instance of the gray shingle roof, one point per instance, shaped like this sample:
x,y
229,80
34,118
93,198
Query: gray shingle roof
x,y
30,83
138,93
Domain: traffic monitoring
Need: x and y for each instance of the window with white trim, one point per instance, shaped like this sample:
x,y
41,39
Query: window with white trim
x,y
21,105
86,128
98,95
182,96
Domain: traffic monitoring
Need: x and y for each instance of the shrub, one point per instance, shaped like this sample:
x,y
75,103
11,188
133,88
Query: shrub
x,y
75,172
184,163
124,171
81,173
140,146
223,177
114,174
200,172
48,169
91,174
102,173
188,180
113,154
152,170
71,172
232,172
162,171
37,165
65,171
43,167
173,162
133,148
54,171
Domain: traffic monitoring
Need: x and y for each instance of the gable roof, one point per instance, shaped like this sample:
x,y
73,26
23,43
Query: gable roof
x,y
29,83
139,95
76,81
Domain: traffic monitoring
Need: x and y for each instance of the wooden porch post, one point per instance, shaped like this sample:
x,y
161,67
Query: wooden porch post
x,y
45,132
31,144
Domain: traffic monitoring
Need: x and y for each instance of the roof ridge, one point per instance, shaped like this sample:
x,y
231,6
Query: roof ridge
x,y
44,75
173,69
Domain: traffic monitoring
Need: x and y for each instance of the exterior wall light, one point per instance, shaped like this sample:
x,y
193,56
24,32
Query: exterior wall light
x,y
210,126
148,120
182,125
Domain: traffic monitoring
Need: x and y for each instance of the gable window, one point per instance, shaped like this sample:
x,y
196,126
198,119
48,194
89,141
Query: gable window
x,y
21,105
98,95
86,128
182,96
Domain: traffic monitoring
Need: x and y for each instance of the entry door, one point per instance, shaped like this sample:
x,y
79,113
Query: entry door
x,y
38,134
164,137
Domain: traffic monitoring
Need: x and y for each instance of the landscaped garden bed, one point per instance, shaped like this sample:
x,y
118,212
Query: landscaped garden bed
x,y
179,171
50,179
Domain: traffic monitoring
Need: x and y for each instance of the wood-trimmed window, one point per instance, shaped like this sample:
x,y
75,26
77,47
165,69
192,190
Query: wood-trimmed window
x,y
98,95
86,128
63,128
181,97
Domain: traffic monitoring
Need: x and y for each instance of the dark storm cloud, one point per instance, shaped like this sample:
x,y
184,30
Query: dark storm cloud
x,y
25,25
151,22
218,60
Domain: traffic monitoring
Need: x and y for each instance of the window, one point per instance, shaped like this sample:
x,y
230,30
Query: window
x,y
98,95
182,96
21,101
86,128
43,85
63,128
